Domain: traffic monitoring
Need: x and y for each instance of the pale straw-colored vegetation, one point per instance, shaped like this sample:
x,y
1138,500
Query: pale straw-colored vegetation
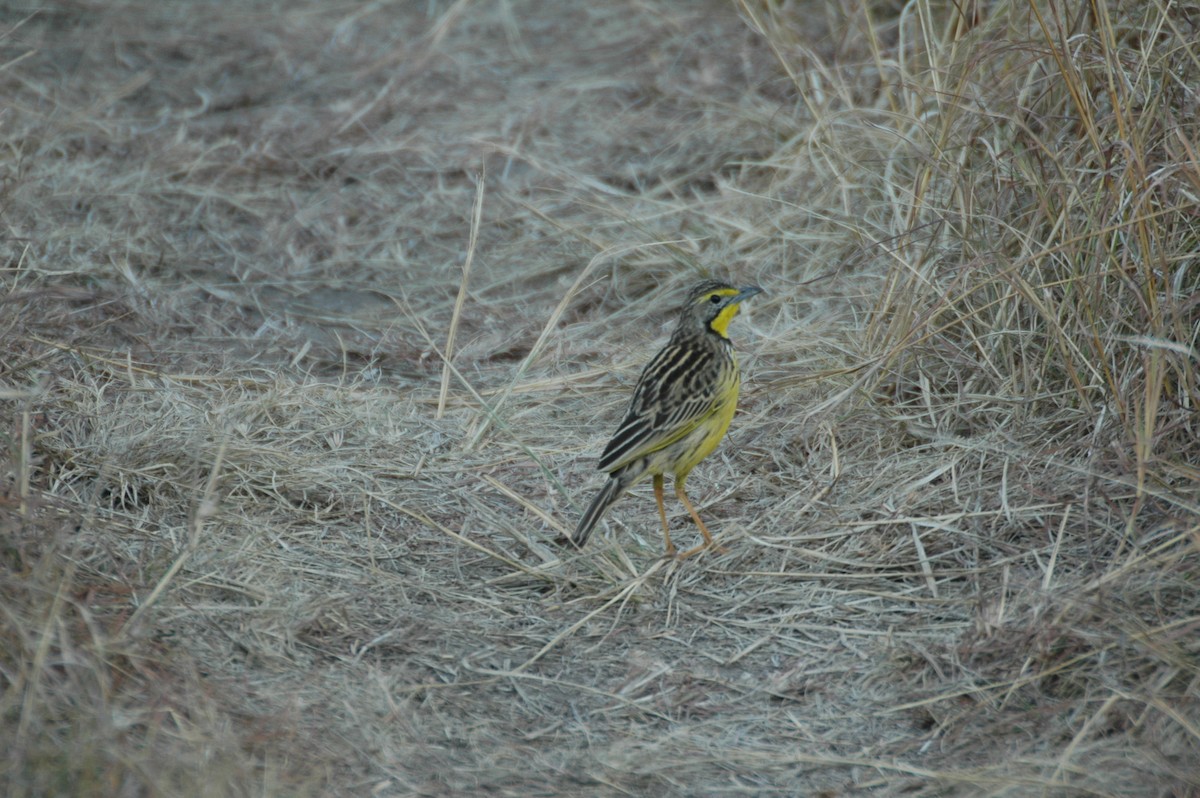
x,y
315,315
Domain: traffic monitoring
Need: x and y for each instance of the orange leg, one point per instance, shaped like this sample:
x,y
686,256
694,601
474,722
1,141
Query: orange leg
x,y
708,539
662,513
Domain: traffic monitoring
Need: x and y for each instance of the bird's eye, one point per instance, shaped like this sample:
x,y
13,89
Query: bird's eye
x,y
715,299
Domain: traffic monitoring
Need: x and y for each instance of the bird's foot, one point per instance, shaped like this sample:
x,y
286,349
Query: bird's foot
x,y
708,545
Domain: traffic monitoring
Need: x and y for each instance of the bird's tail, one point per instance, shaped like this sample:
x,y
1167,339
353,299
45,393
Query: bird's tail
x,y
607,496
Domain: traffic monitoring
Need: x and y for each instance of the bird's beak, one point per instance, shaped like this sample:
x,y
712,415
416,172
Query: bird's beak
x,y
744,293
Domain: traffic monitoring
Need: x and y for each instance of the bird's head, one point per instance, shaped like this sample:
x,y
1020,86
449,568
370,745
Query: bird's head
x,y
712,304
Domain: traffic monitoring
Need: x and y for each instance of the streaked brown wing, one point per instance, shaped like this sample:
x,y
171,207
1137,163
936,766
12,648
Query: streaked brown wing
x,y
669,401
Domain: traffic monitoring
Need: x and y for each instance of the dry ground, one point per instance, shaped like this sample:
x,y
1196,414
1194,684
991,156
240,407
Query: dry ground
x,y
315,315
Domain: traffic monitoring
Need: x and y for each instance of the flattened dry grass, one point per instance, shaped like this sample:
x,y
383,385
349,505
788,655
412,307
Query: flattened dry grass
x,y
283,476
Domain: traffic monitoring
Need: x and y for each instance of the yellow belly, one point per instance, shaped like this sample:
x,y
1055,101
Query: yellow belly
x,y
705,438
683,455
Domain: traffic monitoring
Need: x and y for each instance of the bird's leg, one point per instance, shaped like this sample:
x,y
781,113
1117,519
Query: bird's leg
x,y
708,539
662,513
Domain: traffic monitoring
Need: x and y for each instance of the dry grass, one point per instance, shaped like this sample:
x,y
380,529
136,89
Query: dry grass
x,y
283,473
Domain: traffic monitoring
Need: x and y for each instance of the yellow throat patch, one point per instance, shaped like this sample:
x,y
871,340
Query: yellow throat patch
x,y
720,324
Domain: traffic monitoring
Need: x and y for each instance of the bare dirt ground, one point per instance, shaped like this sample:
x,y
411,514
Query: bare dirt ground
x,y
315,315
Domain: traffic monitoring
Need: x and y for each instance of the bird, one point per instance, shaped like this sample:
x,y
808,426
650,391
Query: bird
x,y
680,409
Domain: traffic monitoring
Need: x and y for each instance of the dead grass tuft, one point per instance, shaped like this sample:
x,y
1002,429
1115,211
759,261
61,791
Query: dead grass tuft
x,y
282,476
